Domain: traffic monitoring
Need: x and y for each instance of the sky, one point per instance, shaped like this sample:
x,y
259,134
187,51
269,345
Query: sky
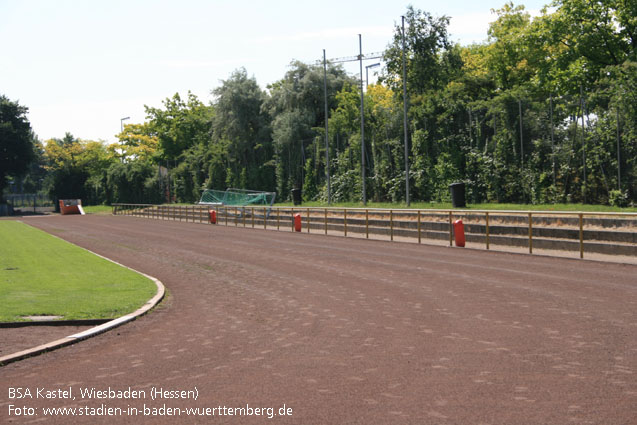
x,y
80,66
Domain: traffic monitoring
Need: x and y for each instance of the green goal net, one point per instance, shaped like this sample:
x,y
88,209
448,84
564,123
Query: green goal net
x,y
237,197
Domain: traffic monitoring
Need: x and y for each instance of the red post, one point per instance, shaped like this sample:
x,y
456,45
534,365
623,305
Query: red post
x,y
297,222
212,214
458,230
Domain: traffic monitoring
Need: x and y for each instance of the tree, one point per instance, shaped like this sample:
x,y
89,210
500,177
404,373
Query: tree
x,y
77,169
180,125
432,59
136,142
296,107
16,141
508,54
241,127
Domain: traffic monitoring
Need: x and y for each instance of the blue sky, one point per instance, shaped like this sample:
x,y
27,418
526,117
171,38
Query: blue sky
x,y
82,65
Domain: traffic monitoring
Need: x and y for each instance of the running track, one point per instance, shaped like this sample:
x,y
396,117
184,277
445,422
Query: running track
x,y
348,331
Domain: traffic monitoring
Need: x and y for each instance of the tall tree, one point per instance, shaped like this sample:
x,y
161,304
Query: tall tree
x,y
16,140
241,127
431,57
296,105
180,125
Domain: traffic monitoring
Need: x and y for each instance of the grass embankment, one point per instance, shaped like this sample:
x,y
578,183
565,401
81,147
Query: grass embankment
x,y
98,209
448,206
106,209
43,275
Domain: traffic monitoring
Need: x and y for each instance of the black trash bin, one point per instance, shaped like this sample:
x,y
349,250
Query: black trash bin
x,y
457,195
296,196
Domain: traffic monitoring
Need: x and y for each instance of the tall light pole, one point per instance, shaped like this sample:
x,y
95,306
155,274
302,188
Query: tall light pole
x,y
360,46
121,122
405,118
367,72
327,143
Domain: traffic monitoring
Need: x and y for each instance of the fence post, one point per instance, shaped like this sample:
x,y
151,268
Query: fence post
x,y
419,238
450,229
265,219
581,235
308,220
367,224
345,221
277,218
530,233
487,230
325,211
391,225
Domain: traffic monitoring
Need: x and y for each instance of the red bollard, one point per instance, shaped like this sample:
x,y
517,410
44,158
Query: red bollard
x,y
458,230
297,222
213,216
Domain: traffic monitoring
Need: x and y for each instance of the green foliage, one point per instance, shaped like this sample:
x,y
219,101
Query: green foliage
x,y
241,133
180,125
310,188
133,182
544,111
16,141
618,198
431,57
296,105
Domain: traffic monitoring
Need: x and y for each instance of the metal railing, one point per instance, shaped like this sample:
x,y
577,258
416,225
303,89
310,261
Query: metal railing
x,y
35,202
595,232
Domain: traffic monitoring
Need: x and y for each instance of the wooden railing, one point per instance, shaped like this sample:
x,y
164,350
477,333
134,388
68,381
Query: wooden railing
x,y
607,233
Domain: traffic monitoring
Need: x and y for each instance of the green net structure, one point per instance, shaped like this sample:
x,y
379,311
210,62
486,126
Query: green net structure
x,y
237,197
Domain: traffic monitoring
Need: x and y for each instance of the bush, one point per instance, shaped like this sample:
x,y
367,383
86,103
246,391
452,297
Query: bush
x,y
617,198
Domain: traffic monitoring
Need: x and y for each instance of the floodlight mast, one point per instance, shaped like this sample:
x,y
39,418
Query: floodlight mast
x,y
360,46
360,57
369,56
405,129
327,144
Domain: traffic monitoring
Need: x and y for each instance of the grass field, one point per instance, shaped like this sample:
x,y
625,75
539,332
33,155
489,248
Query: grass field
x,y
43,275
98,209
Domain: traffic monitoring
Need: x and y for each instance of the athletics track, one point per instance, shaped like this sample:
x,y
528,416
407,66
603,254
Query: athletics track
x,y
344,331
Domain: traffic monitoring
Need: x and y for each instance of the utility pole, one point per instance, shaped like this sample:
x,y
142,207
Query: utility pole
x,y
552,137
327,144
121,123
405,118
619,166
583,105
360,46
521,136
360,58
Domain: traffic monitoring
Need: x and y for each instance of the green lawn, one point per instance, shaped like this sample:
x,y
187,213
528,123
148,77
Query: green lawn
x,y
43,275
98,209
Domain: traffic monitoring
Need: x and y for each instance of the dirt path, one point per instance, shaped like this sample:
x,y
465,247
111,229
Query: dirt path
x,y
348,331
